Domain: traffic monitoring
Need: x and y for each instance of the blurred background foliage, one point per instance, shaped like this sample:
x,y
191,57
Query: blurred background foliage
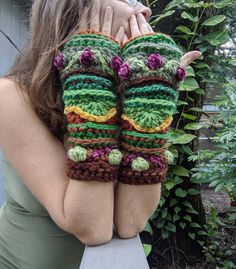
x,y
180,232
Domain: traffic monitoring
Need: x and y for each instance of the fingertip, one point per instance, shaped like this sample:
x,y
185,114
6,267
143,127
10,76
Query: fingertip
x,y
132,18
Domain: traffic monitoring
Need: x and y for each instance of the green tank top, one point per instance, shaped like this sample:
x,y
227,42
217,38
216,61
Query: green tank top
x,y
29,238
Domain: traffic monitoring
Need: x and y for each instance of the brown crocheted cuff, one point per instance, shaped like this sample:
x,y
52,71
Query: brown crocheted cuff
x,y
156,172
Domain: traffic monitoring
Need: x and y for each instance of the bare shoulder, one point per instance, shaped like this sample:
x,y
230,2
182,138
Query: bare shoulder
x,y
6,85
16,113
10,93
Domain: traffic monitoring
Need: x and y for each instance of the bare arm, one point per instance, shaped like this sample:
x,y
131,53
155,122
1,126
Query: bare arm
x,y
40,160
134,205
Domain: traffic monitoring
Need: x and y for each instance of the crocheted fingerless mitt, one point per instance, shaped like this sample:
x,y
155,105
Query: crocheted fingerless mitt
x,y
151,75
88,75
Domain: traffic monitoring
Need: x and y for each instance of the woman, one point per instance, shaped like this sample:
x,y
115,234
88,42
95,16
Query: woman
x,y
48,217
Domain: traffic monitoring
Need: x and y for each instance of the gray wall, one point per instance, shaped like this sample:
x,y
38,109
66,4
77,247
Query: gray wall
x,y
14,23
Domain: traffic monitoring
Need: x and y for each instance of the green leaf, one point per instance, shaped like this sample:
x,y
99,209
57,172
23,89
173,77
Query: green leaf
x,y
184,139
232,216
164,213
188,204
182,225
200,91
189,84
172,4
193,126
195,225
147,249
197,109
212,21
188,16
180,193
187,150
191,4
176,217
173,202
169,217
178,180
201,243
217,38
162,201
193,191
171,227
177,209
180,171
223,4
162,16
191,235
161,224
188,116
202,233
188,218
169,185
192,211
184,29
181,102
190,71
148,228
164,234
202,65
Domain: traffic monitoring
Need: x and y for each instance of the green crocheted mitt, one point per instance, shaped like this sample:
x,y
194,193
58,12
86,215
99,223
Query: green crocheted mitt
x,y
151,75
87,66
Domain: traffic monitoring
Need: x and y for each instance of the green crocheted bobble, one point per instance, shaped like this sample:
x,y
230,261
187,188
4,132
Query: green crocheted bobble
x,y
140,164
77,154
115,157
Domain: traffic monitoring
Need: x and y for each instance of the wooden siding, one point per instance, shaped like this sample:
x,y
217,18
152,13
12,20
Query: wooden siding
x,y
13,22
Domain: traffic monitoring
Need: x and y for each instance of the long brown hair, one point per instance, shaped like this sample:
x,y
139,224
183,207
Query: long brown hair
x,y
52,23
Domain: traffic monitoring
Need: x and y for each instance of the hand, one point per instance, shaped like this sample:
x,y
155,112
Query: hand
x,y
139,26
95,22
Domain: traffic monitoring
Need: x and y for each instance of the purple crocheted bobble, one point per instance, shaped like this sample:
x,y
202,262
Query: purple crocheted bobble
x,y
87,57
181,73
124,71
99,153
116,63
59,60
155,61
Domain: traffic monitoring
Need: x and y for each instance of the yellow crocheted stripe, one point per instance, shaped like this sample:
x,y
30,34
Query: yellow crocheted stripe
x,y
161,127
88,116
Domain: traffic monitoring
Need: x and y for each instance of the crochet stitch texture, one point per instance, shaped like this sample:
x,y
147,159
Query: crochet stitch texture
x,y
151,75
89,95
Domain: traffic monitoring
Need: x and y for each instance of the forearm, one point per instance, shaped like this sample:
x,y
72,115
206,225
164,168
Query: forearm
x,y
151,76
134,205
93,157
88,209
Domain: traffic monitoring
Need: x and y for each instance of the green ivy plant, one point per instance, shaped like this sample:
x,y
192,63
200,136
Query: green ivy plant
x,y
202,26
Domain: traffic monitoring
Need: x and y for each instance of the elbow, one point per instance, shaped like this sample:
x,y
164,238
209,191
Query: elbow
x,y
129,231
92,235
94,238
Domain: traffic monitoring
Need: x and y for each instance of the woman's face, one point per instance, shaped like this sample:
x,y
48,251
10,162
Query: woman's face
x,y
123,10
